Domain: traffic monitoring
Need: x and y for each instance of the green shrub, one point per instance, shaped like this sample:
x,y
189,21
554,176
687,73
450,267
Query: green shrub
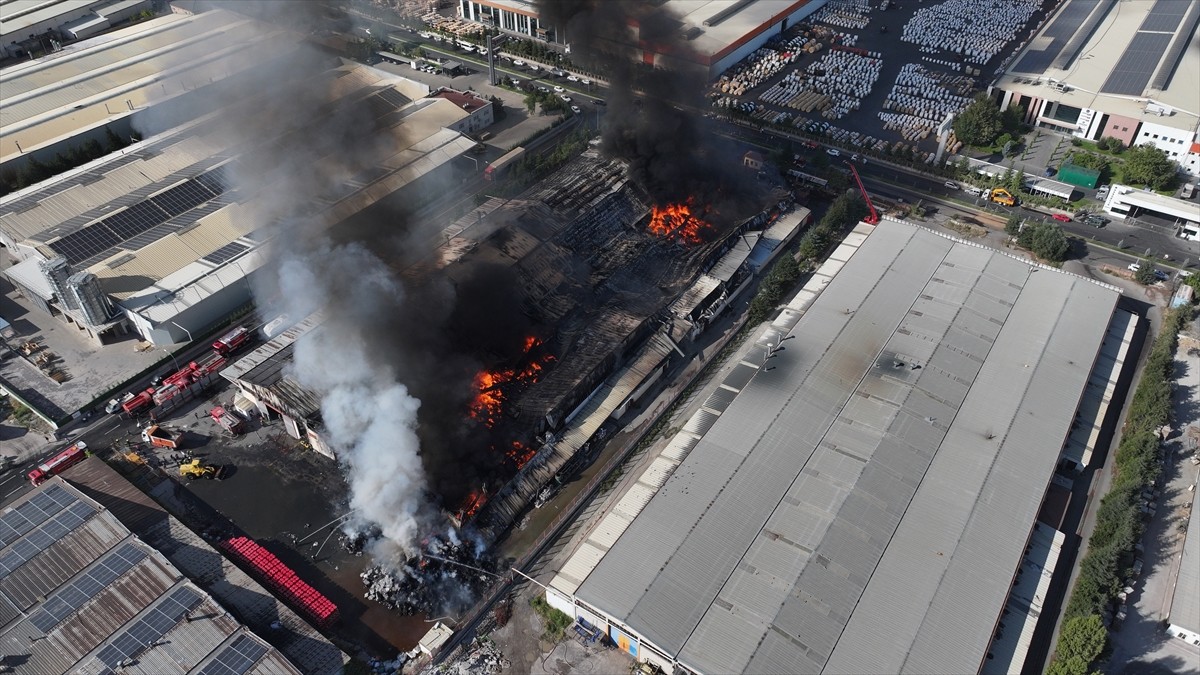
x,y
555,621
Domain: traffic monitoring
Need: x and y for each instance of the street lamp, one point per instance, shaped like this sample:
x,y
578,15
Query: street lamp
x,y
173,359
189,333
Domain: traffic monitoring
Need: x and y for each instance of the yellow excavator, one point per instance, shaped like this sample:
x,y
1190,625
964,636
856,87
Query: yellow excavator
x,y
195,469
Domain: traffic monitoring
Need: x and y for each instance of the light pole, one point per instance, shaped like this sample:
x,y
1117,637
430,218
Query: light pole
x,y
189,333
173,359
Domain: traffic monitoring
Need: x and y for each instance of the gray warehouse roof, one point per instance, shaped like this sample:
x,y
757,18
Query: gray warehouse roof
x,y
79,593
862,504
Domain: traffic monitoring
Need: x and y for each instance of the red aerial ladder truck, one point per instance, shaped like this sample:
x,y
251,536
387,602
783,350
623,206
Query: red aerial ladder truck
x,y
58,463
873,217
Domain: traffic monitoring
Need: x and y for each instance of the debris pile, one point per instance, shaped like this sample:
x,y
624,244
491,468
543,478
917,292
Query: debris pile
x,y
447,577
484,657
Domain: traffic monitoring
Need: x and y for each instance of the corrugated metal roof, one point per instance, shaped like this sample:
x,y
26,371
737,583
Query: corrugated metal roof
x,y
802,532
1185,602
97,596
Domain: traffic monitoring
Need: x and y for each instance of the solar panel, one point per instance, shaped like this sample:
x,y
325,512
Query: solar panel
x,y
225,253
1171,59
182,198
32,513
148,629
394,97
26,548
237,658
1065,25
1165,16
84,244
135,219
1133,69
217,180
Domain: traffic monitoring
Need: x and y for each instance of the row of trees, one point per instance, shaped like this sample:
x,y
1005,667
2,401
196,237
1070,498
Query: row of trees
x,y
1119,523
844,212
36,171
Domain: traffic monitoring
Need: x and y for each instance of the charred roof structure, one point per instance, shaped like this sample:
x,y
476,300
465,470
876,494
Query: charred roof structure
x,y
96,578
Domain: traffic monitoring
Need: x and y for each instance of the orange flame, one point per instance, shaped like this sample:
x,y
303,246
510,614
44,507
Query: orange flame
x,y
676,221
471,505
490,385
519,454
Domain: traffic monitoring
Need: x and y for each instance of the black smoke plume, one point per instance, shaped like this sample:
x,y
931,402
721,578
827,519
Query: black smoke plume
x,y
394,360
654,119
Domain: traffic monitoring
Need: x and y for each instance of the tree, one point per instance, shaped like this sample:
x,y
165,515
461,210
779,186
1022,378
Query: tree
x,y
1013,225
1110,144
1046,240
1145,273
979,123
1013,119
1083,640
1147,165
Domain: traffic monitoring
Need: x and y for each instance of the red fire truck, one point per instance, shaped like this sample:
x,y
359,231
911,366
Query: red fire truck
x,y
58,463
133,404
232,341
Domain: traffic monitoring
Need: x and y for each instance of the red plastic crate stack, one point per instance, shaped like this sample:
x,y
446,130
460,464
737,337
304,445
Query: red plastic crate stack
x,y
283,580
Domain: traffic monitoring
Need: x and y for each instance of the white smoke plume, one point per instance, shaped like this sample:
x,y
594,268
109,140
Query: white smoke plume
x,y
370,417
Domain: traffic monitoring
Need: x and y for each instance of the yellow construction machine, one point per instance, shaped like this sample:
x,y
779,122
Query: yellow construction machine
x,y
195,469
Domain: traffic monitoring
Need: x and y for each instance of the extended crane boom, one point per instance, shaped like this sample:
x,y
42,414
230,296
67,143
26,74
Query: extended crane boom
x,y
873,217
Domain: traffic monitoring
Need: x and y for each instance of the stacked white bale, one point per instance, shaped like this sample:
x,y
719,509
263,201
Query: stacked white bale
x,y
845,14
976,31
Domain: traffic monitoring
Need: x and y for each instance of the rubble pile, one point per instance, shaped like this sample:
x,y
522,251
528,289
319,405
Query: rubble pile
x,y
484,658
449,576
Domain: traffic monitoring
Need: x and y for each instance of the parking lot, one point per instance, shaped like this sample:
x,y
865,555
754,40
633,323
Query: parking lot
x,y
862,85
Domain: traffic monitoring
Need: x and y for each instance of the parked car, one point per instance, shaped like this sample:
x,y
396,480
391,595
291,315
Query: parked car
x,y
1161,275
559,89
1135,267
575,109
600,101
951,184
565,97
1061,218
572,78
1048,172
833,152
1096,221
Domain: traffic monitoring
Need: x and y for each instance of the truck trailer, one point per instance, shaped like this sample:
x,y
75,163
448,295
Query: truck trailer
x,y
497,169
162,437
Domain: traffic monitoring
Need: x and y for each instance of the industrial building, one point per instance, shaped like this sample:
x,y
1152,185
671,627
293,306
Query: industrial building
x,y
1124,201
164,235
719,33
36,25
151,76
1123,69
1183,617
866,491
97,578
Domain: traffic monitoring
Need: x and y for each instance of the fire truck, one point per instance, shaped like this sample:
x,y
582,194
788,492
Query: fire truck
x,y
229,421
232,341
58,463
134,404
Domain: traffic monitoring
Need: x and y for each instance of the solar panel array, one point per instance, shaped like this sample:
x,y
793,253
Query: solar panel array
x,y
1066,24
1137,64
1140,59
32,513
147,630
67,601
225,253
132,224
237,658
1170,60
394,97
29,546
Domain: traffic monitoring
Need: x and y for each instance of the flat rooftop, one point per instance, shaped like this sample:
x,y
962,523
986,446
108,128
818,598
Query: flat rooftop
x,y
1113,55
860,501
727,24
102,79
